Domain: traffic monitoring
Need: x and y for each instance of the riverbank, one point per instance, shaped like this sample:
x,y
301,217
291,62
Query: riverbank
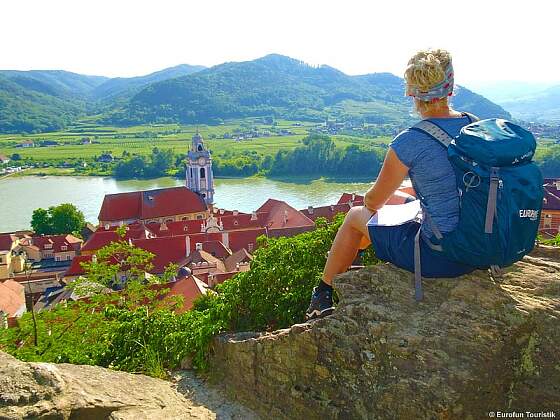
x,y
21,195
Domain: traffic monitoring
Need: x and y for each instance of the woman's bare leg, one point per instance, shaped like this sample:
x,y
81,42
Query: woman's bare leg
x,y
352,236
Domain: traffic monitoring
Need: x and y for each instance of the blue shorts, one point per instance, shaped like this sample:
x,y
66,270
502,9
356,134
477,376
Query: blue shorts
x,y
395,244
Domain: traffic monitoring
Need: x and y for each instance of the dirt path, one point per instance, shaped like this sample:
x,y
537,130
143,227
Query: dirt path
x,y
209,402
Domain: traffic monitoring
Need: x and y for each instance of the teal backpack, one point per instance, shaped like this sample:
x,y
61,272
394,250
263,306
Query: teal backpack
x,y
500,192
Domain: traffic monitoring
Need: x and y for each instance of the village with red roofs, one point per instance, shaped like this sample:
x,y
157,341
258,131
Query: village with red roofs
x,y
181,227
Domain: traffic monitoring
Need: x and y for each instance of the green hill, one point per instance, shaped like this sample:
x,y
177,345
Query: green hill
x,y
279,86
127,86
274,85
30,109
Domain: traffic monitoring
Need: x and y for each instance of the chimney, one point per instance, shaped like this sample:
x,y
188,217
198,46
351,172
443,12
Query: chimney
x,y
235,212
310,209
557,182
353,196
221,211
198,246
254,215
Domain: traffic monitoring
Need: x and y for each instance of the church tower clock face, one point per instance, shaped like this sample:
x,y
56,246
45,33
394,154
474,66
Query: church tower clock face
x,y
201,161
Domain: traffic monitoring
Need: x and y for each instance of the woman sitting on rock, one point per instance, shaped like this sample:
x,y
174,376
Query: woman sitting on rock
x,y
413,154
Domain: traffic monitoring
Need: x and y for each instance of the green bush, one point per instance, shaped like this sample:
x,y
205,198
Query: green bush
x,y
144,335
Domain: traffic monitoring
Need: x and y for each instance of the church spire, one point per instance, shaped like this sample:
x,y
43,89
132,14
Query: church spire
x,y
199,175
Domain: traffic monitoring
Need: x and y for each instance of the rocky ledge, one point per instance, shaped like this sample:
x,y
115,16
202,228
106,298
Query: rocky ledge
x,y
64,391
474,345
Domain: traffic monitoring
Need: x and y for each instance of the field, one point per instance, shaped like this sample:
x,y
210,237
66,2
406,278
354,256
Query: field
x,y
142,139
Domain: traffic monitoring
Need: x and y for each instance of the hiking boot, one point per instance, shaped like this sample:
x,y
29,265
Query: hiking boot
x,y
321,304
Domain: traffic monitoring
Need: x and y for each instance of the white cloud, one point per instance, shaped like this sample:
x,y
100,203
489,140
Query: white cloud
x,y
490,40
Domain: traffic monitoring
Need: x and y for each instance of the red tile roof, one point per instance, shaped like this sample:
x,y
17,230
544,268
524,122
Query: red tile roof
x,y
75,268
328,212
244,221
217,249
189,288
12,297
357,199
281,215
57,242
185,227
101,238
239,239
6,241
141,205
167,250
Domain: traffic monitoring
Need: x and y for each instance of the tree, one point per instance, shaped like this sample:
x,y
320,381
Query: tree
x,y
62,219
41,221
66,218
119,258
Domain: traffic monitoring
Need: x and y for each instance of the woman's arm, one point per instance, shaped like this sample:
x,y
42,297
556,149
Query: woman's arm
x,y
390,178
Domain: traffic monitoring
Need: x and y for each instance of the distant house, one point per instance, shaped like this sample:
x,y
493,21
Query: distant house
x,y
85,140
26,143
12,302
550,215
153,206
56,247
11,258
4,159
49,143
105,158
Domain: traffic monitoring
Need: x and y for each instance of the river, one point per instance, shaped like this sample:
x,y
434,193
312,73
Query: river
x,y
19,196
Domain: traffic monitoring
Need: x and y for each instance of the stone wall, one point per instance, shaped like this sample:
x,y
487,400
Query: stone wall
x,y
474,345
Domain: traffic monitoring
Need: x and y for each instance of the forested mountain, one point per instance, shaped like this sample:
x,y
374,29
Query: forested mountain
x,y
123,86
32,110
280,86
47,100
273,85
57,83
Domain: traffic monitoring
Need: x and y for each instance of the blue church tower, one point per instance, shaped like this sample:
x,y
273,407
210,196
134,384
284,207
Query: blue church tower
x,y
199,176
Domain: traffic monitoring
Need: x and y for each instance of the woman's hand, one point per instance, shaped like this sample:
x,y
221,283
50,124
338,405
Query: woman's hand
x,y
390,178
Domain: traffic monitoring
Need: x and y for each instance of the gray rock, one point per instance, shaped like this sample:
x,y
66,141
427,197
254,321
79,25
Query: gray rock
x,y
64,391
474,345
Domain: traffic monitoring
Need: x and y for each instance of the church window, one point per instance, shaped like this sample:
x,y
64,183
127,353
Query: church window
x,y
169,221
202,173
185,218
199,216
191,173
200,147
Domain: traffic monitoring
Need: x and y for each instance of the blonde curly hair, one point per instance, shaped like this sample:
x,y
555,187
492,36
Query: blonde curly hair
x,y
425,70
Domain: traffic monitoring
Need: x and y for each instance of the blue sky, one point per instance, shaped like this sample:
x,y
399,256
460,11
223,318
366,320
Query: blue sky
x,y
490,40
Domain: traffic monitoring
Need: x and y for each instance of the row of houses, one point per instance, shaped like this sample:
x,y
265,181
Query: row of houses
x,y
207,244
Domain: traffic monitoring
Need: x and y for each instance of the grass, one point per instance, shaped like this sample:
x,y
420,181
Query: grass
x,y
142,139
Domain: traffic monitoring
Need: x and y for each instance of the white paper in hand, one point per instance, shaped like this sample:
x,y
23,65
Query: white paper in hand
x,y
393,215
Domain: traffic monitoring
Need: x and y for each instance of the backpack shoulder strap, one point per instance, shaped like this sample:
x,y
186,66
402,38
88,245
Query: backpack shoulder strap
x,y
471,117
433,130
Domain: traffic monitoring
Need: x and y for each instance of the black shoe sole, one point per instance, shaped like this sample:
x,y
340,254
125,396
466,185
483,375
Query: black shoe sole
x,y
317,314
